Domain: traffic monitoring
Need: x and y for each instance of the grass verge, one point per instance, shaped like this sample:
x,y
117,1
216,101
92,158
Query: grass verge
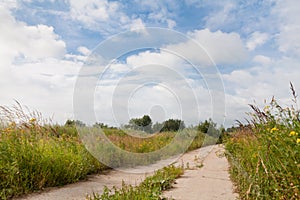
x,y
150,189
265,156
35,155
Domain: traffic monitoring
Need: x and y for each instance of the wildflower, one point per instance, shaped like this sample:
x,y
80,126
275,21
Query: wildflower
x,y
292,133
267,109
298,140
13,124
274,129
32,120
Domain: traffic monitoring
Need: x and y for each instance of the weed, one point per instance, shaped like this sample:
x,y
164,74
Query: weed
x,y
150,188
264,156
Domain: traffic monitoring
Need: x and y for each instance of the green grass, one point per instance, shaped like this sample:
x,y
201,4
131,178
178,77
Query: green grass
x,y
35,155
150,189
265,157
32,158
129,151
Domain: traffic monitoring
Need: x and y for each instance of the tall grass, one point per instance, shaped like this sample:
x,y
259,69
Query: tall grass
x,y
265,156
121,150
35,156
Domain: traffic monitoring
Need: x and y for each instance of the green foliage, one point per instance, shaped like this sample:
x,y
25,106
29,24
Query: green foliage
x,y
150,188
34,156
143,124
103,126
173,125
265,157
157,127
209,127
75,123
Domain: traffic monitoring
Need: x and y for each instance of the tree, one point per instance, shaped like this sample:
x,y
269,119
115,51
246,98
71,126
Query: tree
x,y
157,127
173,125
74,123
100,125
143,124
209,127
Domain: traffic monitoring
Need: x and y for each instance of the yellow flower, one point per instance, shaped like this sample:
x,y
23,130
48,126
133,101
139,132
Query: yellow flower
x,y
267,109
298,140
32,120
292,133
274,129
13,124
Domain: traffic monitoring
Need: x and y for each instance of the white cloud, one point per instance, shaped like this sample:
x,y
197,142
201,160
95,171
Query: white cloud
x,y
257,39
89,12
260,83
223,48
223,16
160,12
288,11
46,86
171,23
36,70
27,42
263,60
32,69
83,50
9,4
138,26
162,58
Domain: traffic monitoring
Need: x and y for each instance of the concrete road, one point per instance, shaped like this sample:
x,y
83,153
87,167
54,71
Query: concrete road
x,y
207,178
208,182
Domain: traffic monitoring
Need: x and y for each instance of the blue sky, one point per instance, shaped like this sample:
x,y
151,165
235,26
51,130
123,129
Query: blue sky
x,y
254,44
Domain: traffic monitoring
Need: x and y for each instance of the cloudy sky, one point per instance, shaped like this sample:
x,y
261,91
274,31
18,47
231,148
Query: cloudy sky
x,y
210,59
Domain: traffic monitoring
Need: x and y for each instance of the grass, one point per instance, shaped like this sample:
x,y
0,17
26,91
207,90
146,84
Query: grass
x,y
35,155
265,156
150,189
33,158
122,150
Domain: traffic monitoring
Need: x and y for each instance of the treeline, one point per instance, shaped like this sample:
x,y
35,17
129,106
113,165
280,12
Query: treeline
x,y
146,125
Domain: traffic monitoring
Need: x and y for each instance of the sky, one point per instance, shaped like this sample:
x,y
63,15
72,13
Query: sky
x,y
109,61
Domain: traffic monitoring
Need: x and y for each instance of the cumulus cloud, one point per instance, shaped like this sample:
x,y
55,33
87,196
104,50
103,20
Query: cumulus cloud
x,y
83,50
159,12
29,42
223,48
32,67
107,17
138,26
46,86
259,83
223,16
9,4
289,37
171,23
37,71
263,60
257,39
89,12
